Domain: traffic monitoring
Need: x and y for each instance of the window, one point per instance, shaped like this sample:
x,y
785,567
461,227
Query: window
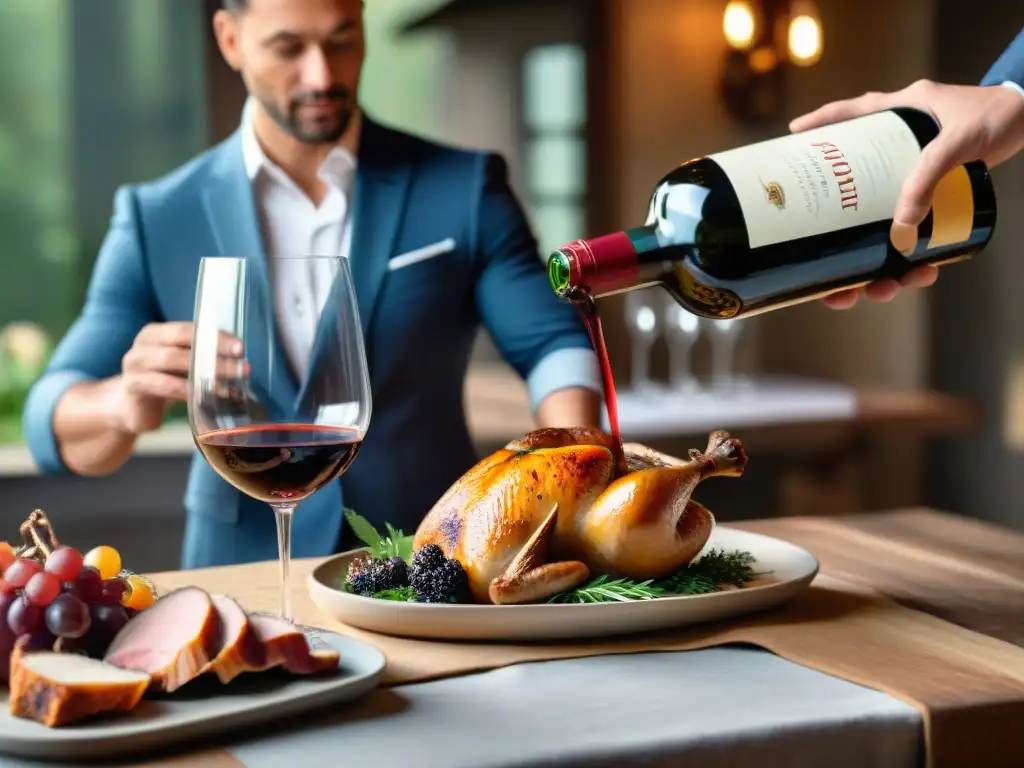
x,y
96,94
554,112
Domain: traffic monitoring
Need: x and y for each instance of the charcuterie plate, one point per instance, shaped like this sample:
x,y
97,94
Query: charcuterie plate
x,y
203,709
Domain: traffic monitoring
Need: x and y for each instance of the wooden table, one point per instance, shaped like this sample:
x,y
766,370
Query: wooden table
x,y
965,571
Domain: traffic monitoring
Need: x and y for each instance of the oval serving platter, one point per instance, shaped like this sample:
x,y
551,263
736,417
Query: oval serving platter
x,y
788,570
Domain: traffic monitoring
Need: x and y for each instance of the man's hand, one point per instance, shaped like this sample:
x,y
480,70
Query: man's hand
x,y
977,123
154,374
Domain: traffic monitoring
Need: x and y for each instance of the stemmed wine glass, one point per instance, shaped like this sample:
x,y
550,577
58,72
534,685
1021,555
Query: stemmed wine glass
x,y
277,432
682,329
642,324
725,337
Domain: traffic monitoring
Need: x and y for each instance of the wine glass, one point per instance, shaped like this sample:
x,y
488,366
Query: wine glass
x,y
682,329
277,423
725,336
642,325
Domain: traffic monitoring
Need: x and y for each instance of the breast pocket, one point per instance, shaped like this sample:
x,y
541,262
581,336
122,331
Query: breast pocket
x,y
421,255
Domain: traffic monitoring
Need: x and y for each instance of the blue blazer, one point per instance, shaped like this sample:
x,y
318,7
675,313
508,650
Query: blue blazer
x,y
1009,67
419,324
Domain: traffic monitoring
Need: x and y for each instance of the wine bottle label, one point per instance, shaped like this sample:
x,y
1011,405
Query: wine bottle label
x,y
952,209
821,180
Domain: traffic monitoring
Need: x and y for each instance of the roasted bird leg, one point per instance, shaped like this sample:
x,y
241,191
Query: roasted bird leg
x,y
530,578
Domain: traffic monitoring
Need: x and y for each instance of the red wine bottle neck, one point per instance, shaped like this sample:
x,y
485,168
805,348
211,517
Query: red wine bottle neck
x,y
599,266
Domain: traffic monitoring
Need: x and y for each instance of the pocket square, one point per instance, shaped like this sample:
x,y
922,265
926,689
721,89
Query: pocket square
x,y
421,254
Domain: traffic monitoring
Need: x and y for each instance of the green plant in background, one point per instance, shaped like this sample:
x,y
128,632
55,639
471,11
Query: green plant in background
x,y
24,350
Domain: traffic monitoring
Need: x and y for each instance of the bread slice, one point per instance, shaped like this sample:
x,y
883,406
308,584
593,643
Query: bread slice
x,y
59,688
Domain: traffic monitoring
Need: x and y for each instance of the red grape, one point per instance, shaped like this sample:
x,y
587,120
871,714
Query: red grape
x,y
64,563
6,589
88,586
107,621
18,574
42,589
113,591
67,616
24,618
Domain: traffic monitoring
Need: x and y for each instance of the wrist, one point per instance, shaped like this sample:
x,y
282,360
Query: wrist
x,y
113,403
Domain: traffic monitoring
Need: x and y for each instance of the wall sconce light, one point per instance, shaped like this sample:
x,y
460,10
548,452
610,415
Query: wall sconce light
x,y
764,38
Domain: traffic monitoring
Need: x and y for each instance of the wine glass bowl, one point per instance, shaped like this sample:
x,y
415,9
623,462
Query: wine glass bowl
x,y
275,433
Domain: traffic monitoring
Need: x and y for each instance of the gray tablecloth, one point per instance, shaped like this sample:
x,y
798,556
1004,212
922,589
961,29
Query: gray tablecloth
x,y
714,708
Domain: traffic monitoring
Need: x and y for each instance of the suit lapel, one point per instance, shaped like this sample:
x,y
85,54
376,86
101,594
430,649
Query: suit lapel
x,y
382,182
231,210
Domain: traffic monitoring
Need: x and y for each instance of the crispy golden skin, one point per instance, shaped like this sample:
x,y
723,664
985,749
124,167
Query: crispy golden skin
x,y
544,513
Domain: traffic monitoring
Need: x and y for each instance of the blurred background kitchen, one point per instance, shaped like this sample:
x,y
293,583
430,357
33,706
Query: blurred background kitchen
x,y
919,402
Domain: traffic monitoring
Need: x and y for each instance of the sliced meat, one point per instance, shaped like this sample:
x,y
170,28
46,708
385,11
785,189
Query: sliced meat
x,y
59,688
285,646
238,647
172,641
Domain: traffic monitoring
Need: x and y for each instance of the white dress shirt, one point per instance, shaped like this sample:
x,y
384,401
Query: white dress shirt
x,y
292,225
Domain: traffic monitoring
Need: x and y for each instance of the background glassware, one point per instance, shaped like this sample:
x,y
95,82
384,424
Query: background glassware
x,y
275,436
682,329
642,325
725,338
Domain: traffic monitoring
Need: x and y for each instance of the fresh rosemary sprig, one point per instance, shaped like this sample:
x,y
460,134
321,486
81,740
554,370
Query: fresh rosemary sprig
x,y
396,543
714,568
606,590
700,577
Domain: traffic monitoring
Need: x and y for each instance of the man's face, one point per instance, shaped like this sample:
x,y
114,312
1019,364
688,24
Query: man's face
x,y
301,59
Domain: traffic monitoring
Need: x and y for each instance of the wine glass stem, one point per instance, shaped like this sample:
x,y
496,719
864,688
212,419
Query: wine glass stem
x,y
283,513
680,371
722,354
641,365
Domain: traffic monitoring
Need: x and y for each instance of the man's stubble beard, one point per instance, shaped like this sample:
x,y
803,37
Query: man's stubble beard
x,y
291,125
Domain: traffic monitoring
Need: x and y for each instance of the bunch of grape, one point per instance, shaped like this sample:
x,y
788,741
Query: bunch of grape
x,y
80,600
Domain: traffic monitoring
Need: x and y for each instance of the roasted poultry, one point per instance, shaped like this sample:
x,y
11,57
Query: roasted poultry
x,y
545,512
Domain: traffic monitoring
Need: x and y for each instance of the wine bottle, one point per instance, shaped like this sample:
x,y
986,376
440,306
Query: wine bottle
x,y
786,220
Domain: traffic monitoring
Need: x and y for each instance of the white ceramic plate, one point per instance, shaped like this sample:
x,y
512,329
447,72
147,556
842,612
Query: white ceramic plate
x,y
201,709
791,567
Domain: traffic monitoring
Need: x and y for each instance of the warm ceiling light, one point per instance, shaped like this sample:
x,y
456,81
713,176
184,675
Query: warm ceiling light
x,y
738,24
804,40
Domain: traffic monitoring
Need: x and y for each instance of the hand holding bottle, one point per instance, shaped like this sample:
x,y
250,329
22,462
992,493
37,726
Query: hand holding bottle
x,y
978,123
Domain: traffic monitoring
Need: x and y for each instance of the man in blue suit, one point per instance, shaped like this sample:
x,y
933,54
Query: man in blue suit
x,y
438,246
982,122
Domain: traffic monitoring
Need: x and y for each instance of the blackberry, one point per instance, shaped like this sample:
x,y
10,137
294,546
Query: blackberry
x,y
367,576
436,578
392,574
428,557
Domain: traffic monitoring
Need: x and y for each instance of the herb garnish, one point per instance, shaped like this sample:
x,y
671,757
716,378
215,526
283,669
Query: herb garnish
x,y
708,574
395,544
402,595
714,568
605,590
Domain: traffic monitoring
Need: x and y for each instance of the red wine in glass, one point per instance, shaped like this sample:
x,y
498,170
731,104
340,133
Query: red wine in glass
x,y
275,433
280,462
